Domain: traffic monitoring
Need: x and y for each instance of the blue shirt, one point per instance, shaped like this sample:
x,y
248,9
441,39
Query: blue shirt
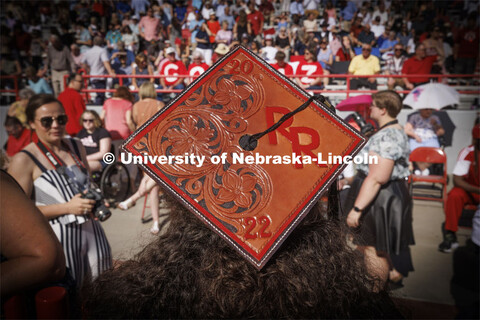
x,y
41,86
388,44
349,11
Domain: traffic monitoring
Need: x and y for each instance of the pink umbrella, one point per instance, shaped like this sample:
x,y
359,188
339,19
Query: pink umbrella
x,y
359,104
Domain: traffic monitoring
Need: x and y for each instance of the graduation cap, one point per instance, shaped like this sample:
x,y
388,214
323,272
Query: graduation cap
x,y
255,183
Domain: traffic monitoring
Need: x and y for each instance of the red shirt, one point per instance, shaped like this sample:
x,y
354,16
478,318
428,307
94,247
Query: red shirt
x,y
14,145
285,70
214,26
172,68
311,70
468,42
195,69
415,66
343,56
74,106
256,19
466,166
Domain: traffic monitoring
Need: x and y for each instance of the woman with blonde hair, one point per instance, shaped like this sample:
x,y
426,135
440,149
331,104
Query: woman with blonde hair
x,y
142,111
95,139
117,114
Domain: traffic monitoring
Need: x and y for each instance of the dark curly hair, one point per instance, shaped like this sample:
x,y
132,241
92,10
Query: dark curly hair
x,y
190,272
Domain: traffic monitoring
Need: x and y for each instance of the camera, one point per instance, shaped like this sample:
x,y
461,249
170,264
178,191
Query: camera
x,y
100,211
366,129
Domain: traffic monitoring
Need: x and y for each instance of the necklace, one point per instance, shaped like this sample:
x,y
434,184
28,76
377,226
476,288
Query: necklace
x,y
388,123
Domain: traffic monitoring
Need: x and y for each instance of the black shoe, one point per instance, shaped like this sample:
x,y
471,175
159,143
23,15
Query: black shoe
x,y
449,243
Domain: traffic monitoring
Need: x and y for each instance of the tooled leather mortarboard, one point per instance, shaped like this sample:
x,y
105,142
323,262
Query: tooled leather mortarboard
x,y
223,117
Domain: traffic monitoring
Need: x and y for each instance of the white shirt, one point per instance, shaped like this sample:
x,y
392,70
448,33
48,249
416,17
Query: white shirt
x,y
94,58
311,4
268,53
377,30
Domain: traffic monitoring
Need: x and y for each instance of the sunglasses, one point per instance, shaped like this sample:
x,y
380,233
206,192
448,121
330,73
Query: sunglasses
x,y
365,49
48,121
398,49
88,120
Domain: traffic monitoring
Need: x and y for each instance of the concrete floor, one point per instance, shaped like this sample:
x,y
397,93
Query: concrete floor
x,y
428,285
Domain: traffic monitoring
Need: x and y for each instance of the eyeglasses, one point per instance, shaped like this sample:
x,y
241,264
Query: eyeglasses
x,y
398,49
48,121
88,120
366,49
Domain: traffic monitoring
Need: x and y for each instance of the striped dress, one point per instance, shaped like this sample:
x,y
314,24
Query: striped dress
x,y
86,248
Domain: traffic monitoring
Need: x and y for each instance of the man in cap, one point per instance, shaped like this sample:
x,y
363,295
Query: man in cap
x,y
268,51
197,67
466,190
221,50
324,32
172,69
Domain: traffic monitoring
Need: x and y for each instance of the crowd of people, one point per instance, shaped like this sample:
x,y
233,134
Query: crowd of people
x,y
179,40
183,38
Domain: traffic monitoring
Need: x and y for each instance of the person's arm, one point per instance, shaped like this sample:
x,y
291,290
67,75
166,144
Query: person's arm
x,y
45,87
70,60
105,146
128,118
378,175
34,255
21,168
437,127
150,72
102,115
410,131
134,80
109,68
459,181
330,59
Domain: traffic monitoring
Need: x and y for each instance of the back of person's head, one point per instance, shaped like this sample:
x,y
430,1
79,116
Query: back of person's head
x,y
280,56
147,90
123,93
191,272
390,100
26,93
98,41
36,102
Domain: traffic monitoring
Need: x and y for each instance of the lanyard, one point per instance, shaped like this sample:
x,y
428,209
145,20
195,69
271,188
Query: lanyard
x,y
388,123
54,159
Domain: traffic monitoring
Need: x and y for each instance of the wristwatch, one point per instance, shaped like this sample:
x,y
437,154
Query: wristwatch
x,y
356,209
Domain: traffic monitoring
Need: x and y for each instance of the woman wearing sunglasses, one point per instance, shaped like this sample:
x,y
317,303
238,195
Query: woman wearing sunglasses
x,y
95,139
55,171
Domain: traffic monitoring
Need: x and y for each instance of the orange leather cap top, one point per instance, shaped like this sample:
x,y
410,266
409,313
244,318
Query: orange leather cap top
x,y
253,199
